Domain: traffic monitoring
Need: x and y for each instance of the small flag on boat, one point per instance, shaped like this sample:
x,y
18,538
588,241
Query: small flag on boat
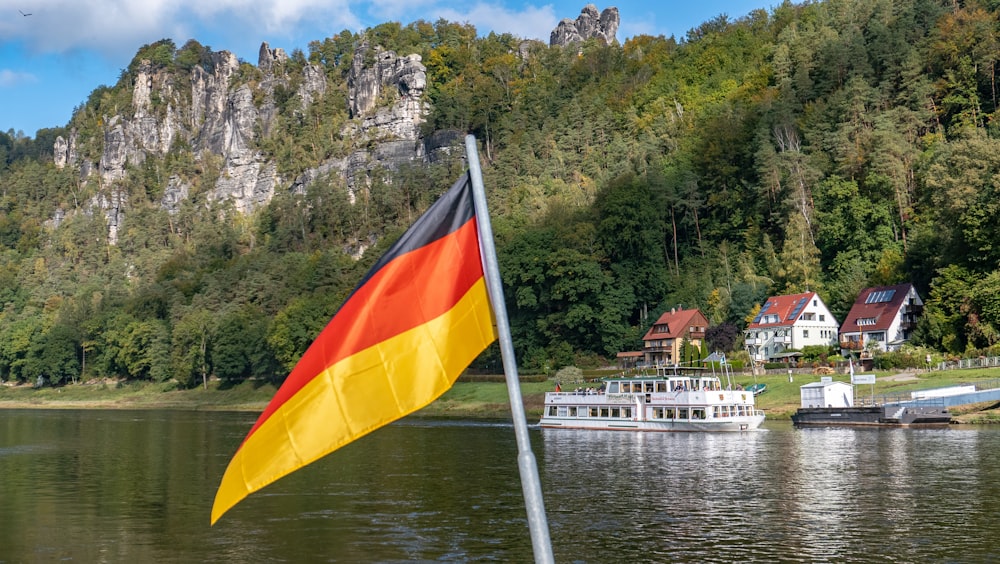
x,y
416,320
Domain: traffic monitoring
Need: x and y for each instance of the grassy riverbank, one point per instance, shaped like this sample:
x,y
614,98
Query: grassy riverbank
x,y
487,400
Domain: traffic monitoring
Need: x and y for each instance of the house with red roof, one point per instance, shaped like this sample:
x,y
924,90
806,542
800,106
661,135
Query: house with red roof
x,y
882,317
663,342
786,324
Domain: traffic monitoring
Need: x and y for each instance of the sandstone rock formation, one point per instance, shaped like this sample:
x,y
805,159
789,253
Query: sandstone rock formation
x,y
219,113
588,25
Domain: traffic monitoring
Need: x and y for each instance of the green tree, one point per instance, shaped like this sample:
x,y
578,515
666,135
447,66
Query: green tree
x,y
240,350
190,340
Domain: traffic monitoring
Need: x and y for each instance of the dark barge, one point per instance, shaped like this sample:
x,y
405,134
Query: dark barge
x,y
876,415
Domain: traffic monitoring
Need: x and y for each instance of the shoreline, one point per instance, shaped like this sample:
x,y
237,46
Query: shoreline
x,y
483,400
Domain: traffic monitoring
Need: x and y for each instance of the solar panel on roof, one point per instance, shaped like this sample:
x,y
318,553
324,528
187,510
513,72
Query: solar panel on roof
x,y
799,304
761,312
880,296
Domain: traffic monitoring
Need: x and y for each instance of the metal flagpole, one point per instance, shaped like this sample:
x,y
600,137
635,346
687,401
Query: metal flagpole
x,y
530,482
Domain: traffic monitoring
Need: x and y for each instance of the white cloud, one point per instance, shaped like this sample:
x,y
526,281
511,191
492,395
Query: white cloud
x,y
114,26
10,78
529,23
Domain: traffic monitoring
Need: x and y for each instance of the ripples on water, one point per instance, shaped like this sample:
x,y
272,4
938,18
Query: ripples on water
x,y
781,494
137,487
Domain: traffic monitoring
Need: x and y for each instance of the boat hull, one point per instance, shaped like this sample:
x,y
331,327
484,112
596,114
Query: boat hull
x,y
878,416
731,424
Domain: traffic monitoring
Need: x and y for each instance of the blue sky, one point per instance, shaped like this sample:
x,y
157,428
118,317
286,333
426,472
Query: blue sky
x,y
51,59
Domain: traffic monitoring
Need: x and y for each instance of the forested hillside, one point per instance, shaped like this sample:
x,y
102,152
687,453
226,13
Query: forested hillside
x,y
826,146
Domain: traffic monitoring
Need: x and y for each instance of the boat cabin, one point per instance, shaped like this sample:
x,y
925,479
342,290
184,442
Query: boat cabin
x,y
827,393
661,385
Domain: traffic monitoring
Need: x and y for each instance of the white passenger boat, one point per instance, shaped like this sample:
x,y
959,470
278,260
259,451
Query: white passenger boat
x,y
673,399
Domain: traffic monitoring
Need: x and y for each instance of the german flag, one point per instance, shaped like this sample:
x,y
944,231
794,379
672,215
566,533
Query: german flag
x,y
399,341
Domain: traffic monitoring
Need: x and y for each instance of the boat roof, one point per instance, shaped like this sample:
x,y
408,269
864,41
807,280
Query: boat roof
x,y
825,384
668,372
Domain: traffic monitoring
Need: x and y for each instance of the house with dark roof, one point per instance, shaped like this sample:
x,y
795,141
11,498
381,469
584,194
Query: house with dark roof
x,y
662,343
786,324
882,317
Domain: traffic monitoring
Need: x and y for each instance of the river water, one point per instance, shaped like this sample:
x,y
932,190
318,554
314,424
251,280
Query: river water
x,y
137,486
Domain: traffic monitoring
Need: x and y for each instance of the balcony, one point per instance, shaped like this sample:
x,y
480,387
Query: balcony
x,y
850,345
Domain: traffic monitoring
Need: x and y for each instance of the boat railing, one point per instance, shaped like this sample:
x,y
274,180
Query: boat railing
x,y
583,392
898,399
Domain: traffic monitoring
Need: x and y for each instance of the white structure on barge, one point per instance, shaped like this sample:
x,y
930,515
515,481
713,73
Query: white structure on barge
x,y
668,401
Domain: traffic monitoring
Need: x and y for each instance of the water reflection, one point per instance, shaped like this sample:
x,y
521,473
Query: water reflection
x,y
137,486
784,494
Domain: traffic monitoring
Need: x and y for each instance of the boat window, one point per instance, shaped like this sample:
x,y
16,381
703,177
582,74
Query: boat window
x,y
649,387
670,414
716,412
572,411
657,413
552,411
682,413
661,386
698,413
615,412
627,412
604,412
612,387
593,412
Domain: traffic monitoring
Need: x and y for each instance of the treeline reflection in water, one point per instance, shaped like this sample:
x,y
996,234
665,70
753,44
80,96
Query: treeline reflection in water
x,y
138,486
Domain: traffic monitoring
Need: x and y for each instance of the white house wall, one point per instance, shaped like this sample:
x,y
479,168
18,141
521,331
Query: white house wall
x,y
815,327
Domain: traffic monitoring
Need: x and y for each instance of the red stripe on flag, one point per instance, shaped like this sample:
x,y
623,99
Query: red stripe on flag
x,y
407,292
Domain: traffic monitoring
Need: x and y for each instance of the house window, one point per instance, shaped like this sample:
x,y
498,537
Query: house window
x,y
805,333
822,317
808,316
866,321
815,303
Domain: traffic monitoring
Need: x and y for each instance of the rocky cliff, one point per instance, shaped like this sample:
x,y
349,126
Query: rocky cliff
x,y
588,25
217,114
